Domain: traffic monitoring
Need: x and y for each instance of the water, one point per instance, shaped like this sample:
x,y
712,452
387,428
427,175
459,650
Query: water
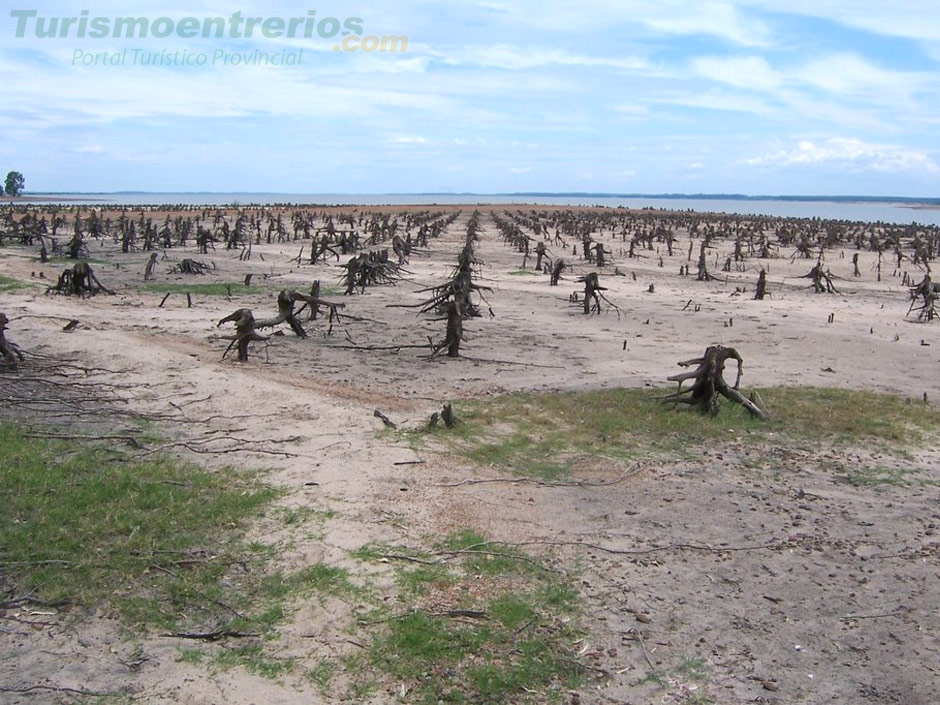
x,y
902,213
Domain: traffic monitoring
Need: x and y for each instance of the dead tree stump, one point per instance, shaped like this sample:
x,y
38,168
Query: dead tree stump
x,y
151,265
761,286
80,280
190,266
924,299
245,332
449,417
592,301
454,331
9,351
286,300
822,280
557,269
703,275
709,383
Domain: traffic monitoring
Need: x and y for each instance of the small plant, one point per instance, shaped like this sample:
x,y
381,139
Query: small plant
x,y
253,658
322,673
502,641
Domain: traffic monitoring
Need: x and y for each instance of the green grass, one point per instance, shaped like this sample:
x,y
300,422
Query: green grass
x,y
82,526
255,659
157,543
193,656
9,284
875,475
223,289
517,651
205,289
523,273
553,435
322,673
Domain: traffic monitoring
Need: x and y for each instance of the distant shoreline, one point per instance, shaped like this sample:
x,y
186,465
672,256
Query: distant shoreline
x,y
94,196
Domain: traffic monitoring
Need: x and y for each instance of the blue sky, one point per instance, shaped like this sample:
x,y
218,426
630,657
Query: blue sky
x,y
629,96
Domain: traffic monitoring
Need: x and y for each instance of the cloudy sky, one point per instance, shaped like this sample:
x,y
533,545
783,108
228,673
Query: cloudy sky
x,y
815,97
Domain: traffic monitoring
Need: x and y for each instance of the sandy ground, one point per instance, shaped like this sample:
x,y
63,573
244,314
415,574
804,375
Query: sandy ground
x,y
821,592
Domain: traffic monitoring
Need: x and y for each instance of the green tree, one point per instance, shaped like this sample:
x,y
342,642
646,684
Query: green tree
x,y
15,183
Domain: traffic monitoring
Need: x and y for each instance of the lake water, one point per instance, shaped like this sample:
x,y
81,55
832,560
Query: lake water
x,y
836,210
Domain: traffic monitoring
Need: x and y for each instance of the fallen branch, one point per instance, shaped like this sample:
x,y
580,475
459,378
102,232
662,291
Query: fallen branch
x,y
211,636
62,689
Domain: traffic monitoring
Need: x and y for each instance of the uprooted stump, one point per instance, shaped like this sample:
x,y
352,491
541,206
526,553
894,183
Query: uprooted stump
x,y
924,299
10,353
709,383
286,300
822,280
592,299
593,295
191,266
245,332
80,280
247,327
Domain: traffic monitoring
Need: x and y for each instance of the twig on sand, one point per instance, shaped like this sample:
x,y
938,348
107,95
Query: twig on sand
x,y
635,470
24,690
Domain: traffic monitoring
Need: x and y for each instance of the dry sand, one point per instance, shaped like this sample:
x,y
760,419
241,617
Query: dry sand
x,y
845,607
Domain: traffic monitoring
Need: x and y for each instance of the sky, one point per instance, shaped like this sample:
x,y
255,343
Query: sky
x,y
777,97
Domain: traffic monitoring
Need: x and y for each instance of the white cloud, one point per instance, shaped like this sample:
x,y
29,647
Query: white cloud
x,y
850,154
751,72
720,19
851,75
509,57
719,100
913,19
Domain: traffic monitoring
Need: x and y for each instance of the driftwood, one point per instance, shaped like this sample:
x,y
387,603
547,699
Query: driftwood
x,y
80,280
9,351
709,382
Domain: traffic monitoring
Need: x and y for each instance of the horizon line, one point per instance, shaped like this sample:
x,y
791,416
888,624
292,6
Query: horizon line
x,y
536,194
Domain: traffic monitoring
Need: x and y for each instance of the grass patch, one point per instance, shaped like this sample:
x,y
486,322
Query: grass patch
x,y
160,543
84,527
515,647
8,284
551,435
255,659
322,673
874,476
205,289
523,273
